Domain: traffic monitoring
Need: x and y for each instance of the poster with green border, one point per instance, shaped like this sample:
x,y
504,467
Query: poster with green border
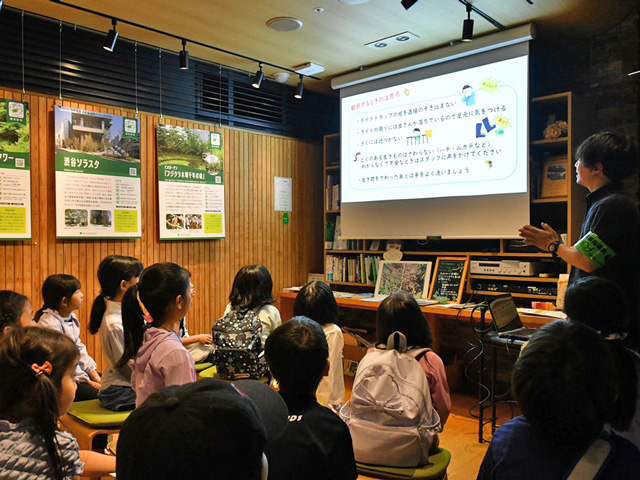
x,y
190,183
97,165
15,171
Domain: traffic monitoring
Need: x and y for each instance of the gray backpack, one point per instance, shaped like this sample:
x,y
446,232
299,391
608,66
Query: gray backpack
x,y
390,415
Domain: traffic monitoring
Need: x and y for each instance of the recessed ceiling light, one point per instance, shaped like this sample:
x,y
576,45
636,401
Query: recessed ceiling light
x,y
353,2
284,24
318,9
395,40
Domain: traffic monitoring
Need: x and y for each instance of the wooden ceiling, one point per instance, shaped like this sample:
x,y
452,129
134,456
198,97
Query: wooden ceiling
x,y
334,38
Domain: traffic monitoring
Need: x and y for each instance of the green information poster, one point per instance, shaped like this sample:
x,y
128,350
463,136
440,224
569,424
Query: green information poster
x,y
190,183
15,175
97,175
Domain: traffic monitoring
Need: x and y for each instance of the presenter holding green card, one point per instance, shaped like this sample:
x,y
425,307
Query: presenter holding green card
x,y
609,245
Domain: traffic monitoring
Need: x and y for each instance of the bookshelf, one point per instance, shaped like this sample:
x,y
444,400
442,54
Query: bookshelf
x,y
563,212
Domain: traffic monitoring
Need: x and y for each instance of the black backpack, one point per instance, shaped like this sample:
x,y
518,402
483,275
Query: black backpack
x,y
238,346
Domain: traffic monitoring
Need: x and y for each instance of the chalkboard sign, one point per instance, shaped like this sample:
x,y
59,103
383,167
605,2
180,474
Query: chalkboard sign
x,y
448,280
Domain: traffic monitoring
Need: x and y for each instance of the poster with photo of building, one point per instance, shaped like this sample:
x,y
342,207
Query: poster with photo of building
x,y
97,174
15,171
190,183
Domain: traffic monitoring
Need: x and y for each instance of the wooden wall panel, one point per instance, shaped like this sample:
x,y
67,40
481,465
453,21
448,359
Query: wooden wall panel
x,y
254,231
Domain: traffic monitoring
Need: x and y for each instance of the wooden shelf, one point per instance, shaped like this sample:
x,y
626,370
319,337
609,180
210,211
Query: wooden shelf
x,y
352,284
372,252
550,142
515,295
481,254
332,211
332,167
559,98
514,278
550,200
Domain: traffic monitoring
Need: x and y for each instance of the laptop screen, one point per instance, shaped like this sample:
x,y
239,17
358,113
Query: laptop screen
x,y
504,312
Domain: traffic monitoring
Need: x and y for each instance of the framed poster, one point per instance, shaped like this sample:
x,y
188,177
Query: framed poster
x,y
554,181
449,278
190,183
15,174
97,174
410,277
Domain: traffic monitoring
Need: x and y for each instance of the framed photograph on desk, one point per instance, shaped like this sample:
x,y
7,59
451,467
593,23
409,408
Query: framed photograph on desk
x,y
554,181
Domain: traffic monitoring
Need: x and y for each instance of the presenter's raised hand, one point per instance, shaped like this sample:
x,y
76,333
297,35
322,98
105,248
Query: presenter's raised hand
x,y
540,237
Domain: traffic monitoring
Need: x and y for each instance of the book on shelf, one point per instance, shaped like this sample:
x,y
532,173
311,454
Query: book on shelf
x,y
329,233
332,195
374,245
358,269
338,243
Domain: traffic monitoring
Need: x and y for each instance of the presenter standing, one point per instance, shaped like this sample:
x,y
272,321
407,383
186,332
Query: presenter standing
x,y
609,245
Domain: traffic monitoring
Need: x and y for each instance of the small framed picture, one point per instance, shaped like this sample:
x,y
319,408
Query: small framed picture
x,y
554,182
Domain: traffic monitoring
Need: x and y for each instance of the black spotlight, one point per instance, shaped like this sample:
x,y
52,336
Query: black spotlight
x,y
112,37
299,89
407,4
184,56
467,26
257,80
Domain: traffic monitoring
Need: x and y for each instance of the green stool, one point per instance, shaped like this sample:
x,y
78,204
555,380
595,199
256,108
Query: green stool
x,y
203,366
210,372
435,470
85,420
213,373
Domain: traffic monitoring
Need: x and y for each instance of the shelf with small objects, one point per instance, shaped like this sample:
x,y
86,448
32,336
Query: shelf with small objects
x,y
555,199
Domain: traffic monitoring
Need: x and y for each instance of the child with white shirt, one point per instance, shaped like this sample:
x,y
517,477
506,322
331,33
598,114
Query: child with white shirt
x,y
62,296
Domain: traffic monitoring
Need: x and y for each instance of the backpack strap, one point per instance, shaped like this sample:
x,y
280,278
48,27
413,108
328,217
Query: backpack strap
x,y
592,461
397,341
418,353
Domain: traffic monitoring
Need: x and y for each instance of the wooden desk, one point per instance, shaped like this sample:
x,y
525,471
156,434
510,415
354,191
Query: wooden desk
x,y
434,314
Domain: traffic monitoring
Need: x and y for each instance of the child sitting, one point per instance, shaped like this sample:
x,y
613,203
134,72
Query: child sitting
x,y
316,301
116,274
601,304
400,312
15,311
158,357
252,290
316,444
36,387
62,296
565,384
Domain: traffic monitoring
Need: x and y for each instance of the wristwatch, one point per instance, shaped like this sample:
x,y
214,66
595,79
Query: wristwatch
x,y
553,247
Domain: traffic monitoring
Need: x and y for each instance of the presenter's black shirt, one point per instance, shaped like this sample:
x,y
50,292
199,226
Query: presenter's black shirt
x,y
315,446
613,216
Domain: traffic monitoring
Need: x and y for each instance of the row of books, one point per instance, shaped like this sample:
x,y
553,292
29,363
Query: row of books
x,y
332,195
355,269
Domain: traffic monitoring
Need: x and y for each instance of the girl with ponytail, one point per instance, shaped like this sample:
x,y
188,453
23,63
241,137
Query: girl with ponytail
x,y
116,273
151,312
36,388
15,311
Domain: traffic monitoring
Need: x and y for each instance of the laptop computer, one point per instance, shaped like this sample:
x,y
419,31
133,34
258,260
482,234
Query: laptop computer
x,y
506,320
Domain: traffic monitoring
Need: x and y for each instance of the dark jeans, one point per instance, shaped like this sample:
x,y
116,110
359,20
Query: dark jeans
x,y
85,392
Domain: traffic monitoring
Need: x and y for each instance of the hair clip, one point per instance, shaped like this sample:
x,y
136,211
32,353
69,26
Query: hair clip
x,y
40,369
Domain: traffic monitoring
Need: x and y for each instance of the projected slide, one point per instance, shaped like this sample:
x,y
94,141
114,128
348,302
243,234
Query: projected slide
x,y
459,134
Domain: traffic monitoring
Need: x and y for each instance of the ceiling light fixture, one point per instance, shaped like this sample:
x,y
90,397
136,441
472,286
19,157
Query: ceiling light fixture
x,y
467,26
180,37
407,4
257,80
299,88
1,2
184,56
112,37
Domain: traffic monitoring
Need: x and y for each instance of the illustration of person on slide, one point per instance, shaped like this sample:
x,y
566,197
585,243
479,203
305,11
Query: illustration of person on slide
x,y
468,95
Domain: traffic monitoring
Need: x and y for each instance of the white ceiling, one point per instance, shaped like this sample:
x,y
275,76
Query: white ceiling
x,y
334,38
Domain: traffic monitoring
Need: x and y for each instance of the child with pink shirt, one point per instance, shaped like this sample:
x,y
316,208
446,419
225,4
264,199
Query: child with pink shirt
x,y
400,312
151,345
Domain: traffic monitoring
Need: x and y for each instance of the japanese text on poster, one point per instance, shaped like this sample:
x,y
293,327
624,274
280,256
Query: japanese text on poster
x,y
190,183
15,176
97,175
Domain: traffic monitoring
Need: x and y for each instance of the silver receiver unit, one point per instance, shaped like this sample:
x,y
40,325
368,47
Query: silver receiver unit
x,y
507,267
